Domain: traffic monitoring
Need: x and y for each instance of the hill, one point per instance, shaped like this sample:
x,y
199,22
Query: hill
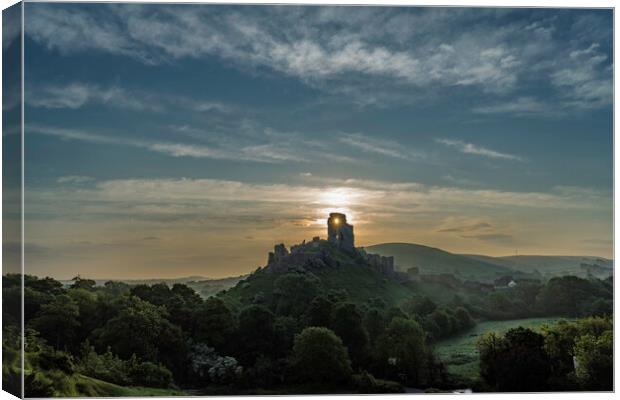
x,y
430,260
332,269
550,266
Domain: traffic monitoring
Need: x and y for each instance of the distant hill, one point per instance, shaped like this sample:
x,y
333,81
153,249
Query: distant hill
x,y
149,281
549,266
431,260
205,287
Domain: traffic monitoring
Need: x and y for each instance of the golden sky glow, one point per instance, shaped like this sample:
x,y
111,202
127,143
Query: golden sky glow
x,y
181,227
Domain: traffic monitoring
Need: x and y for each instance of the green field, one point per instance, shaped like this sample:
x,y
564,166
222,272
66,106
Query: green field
x,y
460,353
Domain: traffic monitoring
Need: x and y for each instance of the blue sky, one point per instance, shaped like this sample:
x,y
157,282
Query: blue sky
x,y
169,140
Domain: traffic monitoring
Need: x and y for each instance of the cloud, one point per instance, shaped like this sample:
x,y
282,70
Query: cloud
x,y
345,49
382,147
74,179
469,148
167,148
199,200
205,218
467,228
460,180
494,237
75,95
273,147
584,79
518,106
474,228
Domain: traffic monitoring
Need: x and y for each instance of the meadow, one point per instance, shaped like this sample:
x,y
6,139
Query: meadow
x,y
460,352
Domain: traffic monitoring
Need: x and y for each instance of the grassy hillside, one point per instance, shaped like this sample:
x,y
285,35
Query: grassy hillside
x,y
360,283
83,386
435,261
69,385
549,266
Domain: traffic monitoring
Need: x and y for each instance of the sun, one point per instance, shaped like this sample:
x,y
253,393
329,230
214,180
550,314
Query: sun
x,y
341,200
340,197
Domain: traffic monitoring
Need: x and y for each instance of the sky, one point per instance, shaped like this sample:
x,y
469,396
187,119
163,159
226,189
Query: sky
x,y
176,140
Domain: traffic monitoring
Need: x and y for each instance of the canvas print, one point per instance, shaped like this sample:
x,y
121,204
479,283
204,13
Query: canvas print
x,y
280,200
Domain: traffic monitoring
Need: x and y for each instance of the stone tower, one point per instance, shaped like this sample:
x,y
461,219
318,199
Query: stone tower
x,y
339,232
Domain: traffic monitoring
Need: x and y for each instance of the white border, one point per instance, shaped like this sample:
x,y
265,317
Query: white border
x,y
455,3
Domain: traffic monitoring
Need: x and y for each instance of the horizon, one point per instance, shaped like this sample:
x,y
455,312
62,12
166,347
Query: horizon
x,y
188,140
202,277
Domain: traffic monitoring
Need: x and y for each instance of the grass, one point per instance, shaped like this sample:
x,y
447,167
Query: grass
x,y
460,353
84,386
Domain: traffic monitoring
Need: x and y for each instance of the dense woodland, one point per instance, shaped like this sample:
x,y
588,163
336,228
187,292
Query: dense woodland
x,y
300,335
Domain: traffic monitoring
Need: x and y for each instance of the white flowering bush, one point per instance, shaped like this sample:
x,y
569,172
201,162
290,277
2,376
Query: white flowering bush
x,y
206,363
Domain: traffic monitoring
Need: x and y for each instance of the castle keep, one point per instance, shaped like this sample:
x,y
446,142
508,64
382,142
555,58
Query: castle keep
x,y
339,232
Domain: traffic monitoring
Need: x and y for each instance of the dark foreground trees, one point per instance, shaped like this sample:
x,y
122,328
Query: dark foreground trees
x,y
279,332
574,355
319,356
516,362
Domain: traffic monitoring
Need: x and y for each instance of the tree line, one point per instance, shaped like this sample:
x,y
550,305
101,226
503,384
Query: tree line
x,y
305,338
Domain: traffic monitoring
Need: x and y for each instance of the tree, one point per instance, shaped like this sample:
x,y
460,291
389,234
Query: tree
x,y
463,319
348,326
255,333
559,345
516,362
442,319
420,305
88,317
320,357
402,352
566,295
182,304
285,329
320,312
215,324
58,321
375,324
294,292
594,361
80,283
140,328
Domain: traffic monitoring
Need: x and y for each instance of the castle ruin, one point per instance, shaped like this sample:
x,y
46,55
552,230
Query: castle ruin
x,y
339,232
317,253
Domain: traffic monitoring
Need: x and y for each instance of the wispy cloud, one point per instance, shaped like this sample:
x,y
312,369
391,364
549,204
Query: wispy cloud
x,y
263,147
474,228
490,54
167,148
518,106
382,147
584,79
74,179
200,201
469,148
75,95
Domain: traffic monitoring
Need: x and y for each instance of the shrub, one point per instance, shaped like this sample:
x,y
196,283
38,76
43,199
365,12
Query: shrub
x,y
151,375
